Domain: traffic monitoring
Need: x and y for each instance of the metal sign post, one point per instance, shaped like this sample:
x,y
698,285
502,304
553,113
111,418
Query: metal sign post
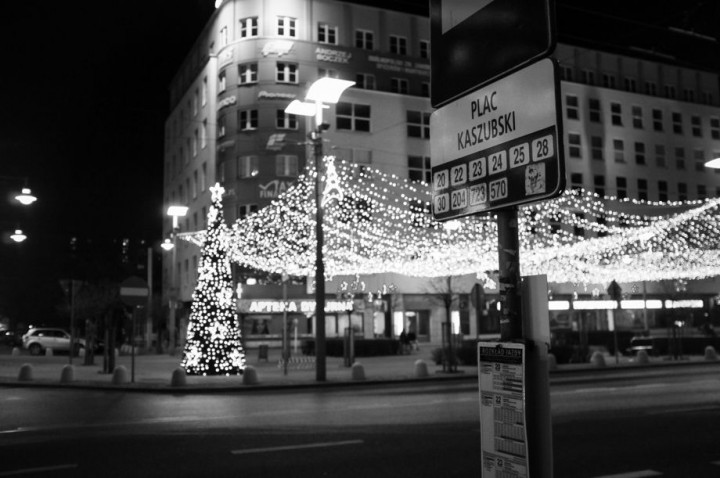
x,y
134,293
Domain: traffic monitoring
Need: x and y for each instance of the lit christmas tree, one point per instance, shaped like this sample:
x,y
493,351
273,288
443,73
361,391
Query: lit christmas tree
x,y
213,344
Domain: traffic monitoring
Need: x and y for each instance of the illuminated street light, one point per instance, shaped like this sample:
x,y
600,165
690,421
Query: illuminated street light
x,y
175,211
18,236
324,90
25,197
167,244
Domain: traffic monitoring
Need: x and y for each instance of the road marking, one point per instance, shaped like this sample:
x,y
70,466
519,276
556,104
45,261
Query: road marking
x,y
715,463
633,474
249,451
682,410
26,471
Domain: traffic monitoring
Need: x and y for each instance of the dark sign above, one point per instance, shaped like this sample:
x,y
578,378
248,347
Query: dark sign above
x,y
476,42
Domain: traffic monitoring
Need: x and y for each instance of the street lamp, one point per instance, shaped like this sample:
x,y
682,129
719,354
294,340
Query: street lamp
x,y
25,197
324,90
18,236
176,212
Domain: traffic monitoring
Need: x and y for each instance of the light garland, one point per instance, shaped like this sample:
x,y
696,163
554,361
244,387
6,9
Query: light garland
x,y
213,344
379,223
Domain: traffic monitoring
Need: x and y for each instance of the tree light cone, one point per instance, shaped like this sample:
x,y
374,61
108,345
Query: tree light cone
x,y
710,353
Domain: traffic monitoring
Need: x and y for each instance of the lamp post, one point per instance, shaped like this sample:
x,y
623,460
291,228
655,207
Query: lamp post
x,y
324,90
175,212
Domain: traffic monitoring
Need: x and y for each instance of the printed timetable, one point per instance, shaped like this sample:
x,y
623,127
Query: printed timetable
x,y
512,173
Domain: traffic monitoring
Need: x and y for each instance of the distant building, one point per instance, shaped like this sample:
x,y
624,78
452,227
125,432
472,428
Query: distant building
x,y
636,125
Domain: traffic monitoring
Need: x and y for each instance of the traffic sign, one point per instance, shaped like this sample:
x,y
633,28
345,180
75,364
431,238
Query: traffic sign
x,y
134,292
476,42
499,146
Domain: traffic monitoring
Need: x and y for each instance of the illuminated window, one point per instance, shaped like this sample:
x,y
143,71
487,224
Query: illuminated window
x,y
398,45
286,165
285,121
327,34
195,143
364,39
248,27
286,27
247,166
418,124
247,73
204,91
286,72
352,116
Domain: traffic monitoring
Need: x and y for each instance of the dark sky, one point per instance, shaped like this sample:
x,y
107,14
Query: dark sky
x,y
83,92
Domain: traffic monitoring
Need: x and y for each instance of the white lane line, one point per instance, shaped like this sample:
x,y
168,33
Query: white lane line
x,y
27,471
249,451
715,463
633,474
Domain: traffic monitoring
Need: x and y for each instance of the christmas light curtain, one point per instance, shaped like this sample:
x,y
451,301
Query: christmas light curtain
x,y
213,345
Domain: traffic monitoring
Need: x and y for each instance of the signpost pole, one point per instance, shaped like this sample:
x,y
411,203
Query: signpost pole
x,y
509,262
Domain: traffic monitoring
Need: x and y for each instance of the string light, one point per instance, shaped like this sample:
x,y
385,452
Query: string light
x,y
379,223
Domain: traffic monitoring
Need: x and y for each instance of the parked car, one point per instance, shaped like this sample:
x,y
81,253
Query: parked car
x,y
37,340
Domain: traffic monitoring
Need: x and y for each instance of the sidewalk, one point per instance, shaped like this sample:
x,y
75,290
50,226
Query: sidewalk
x,y
154,373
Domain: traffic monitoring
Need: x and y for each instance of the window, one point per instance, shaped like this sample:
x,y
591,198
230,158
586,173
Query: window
x,y
637,117
195,187
247,120
286,72
650,88
572,110
247,166
418,124
286,27
352,116
364,39
285,121
574,147
619,150
630,84
244,210
677,123
699,157
642,186
248,27
706,97
594,108
419,168
327,73
221,126
715,128
224,38
424,49
195,101
608,80
640,153
247,73
195,143
576,182
578,229
662,191
203,97
365,81
695,126
566,73
660,156
425,89
203,216
680,158
616,113
669,91
203,177
398,45
327,34
596,148
399,85
701,191
599,183
203,134
688,95
221,82
682,192
657,120
621,184
588,77
286,165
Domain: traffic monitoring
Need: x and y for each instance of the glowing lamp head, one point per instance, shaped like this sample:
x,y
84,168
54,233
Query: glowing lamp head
x,y
18,236
167,245
25,197
176,212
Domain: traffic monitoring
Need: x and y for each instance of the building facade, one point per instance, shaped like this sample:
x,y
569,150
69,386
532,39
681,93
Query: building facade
x,y
635,126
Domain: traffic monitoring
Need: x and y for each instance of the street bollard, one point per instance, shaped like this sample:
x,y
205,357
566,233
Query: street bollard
x,y
597,359
710,353
48,352
552,362
15,351
250,375
68,374
642,357
179,378
421,368
358,371
120,375
26,373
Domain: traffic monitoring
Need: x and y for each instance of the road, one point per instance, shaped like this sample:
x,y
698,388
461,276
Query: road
x,y
662,422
